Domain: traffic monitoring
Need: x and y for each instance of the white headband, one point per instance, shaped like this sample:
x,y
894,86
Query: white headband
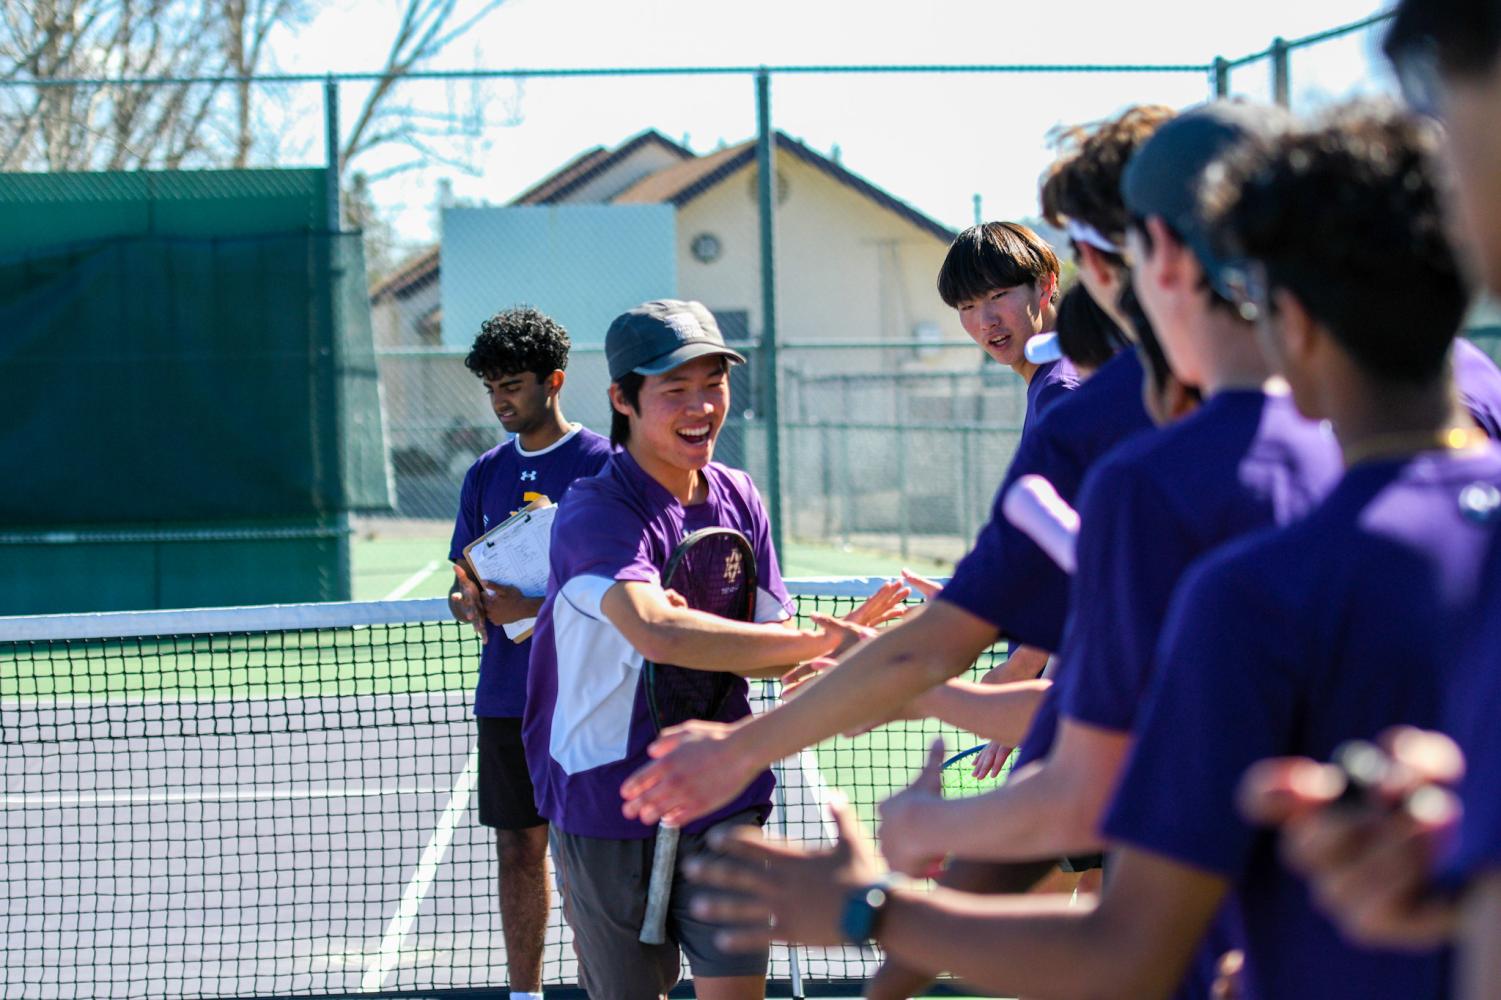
x,y
1083,232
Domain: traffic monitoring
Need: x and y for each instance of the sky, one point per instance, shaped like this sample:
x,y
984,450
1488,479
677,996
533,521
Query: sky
x,y
933,140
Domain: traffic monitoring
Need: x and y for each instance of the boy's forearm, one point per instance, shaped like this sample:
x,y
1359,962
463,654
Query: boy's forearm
x,y
998,712
875,679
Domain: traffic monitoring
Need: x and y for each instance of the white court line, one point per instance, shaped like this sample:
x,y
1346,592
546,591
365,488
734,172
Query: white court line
x,y
145,798
413,582
411,901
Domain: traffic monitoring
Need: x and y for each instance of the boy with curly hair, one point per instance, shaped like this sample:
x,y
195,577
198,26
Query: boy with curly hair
x,y
519,355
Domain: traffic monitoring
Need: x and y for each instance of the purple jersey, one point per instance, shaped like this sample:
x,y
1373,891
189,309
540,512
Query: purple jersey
x,y
1006,579
1244,460
1479,383
499,483
1472,706
1051,382
587,726
1289,642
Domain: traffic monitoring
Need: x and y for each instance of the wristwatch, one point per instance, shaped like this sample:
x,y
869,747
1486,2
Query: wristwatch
x,y
861,916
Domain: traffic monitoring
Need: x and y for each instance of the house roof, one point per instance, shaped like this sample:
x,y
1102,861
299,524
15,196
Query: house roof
x,y
682,182
411,274
584,168
676,185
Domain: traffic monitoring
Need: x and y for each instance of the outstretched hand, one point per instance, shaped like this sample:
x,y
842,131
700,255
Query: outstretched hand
x,y
695,770
886,604
842,633
779,890
909,816
1369,861
929,589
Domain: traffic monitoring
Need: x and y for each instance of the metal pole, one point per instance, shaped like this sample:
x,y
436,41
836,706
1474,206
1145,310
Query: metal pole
x,y
979,211
1281,90
765,192
343,581
1221,77
331,150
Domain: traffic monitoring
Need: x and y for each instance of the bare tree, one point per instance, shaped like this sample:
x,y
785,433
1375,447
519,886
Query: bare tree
x,y
428,134
106,125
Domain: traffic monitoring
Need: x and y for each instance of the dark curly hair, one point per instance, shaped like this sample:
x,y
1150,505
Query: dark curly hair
x,y
994,255
1345,214
1085,182
516,340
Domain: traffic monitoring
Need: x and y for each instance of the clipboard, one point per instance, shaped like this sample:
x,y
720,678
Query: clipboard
x,y
515,552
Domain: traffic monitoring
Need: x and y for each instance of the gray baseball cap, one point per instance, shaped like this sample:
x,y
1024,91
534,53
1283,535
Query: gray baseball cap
x,y
1164,176
657,336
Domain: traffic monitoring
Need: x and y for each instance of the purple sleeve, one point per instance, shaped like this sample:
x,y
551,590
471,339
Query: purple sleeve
x,y
593,536
1479,383
1471,709
1006,579
1132,550
466,524
1224,688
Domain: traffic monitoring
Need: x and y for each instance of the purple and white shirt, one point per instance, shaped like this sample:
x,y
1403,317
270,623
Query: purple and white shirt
x,y
499,483
587,727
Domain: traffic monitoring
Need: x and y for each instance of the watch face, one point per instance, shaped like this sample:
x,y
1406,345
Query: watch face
x,y
706,248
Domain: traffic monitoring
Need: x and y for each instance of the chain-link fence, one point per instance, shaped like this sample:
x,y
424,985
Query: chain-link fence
x,y
866,415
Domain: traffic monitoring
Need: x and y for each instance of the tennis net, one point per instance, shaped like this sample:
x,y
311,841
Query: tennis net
x,y
278,802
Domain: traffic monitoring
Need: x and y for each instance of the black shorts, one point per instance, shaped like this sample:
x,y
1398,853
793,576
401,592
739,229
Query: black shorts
x,y
506,801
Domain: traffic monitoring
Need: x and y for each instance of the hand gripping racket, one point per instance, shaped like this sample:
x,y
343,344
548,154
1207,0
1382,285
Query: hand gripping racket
x,y
714,570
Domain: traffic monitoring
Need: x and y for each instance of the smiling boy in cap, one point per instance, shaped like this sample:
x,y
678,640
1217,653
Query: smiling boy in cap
x,y
586,725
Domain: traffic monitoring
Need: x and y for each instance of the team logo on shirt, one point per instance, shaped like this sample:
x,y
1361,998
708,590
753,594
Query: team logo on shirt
x,y
732,567
529,477
1478,502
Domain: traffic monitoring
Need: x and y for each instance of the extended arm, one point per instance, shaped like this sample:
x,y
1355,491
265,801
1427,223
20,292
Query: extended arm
x,y
665,631
703,766
1048,810
1136,942
1000,712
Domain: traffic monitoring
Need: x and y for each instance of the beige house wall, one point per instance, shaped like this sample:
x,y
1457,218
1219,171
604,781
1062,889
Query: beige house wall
x,y
847,268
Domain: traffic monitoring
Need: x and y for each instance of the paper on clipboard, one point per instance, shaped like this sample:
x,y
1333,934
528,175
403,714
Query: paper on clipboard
x,y
515,552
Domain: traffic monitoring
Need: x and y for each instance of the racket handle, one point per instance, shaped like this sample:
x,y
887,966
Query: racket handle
x,y
1034,506
664,864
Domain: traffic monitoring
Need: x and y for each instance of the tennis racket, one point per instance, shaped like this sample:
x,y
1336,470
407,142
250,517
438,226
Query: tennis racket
x,y
714,570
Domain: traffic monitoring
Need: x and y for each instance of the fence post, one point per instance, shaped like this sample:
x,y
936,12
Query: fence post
x,y
344,582
1221,77
1281,91
765,193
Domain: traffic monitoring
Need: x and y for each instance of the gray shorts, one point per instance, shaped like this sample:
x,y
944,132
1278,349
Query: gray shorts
x,y
603,884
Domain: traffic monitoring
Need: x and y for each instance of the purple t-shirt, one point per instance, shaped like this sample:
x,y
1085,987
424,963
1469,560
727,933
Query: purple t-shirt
x,y
1289,642
587,726
1051,382
1472,715
1479,383
499,483
1006,579
1243,461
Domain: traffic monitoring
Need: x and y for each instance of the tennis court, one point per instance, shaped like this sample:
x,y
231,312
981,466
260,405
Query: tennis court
x,y
276,801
